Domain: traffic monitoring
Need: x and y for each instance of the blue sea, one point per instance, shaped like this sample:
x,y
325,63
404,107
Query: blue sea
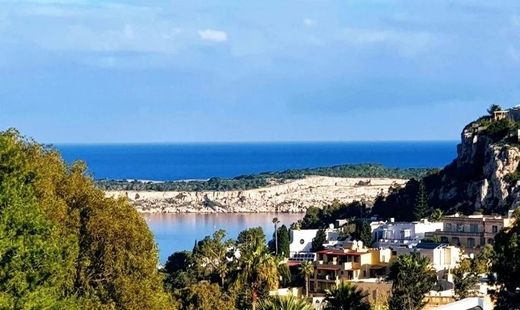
x,y
202,161
177,232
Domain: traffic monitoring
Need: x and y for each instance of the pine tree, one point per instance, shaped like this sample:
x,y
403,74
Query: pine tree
x,y
422,210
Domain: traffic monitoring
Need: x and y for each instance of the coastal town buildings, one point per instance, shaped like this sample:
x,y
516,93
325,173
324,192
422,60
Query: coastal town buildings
x,y
443,257
350,264
399,234
470,232
300,248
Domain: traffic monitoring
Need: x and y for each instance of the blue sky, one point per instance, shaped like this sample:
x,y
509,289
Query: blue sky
x,y
271,70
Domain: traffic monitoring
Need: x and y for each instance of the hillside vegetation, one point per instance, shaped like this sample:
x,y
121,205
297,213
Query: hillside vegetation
x,y
247,182
63,245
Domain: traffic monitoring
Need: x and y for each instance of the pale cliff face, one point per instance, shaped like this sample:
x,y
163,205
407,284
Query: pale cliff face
x,y
478,175
294,196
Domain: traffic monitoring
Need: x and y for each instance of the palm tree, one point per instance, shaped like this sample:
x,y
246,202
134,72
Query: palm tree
x,y
285,303
346,296
257,267
275,222
436,215
307,269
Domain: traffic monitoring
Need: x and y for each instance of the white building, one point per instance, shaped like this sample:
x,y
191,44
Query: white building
x,y
301,242
398,234
443,257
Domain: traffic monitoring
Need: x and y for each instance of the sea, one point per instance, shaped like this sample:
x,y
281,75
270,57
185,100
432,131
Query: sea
x,y
199,161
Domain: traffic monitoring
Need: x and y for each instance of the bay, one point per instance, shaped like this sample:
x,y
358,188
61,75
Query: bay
x,y
160,162
179,232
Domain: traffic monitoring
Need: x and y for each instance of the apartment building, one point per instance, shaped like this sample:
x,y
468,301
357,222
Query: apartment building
x,y
352,264
471,232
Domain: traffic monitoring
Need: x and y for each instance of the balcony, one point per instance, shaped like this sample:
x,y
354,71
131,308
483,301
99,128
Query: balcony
x,y
327,278
459,233
351,266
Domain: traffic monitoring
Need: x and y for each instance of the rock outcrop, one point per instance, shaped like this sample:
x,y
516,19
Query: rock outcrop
x,y
480,179
292,196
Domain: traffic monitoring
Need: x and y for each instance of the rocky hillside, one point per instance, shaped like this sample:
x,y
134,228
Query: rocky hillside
x,y
291,196
483,178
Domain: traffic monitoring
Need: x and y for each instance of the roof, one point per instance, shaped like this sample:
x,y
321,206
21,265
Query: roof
x,y
341,253
430,246
293,263
328,267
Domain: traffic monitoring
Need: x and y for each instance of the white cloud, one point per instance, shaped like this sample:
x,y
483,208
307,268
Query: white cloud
x,y
309,22
213,35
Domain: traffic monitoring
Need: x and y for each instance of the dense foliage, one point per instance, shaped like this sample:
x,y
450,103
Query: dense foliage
x,y
346,296
285,303
412,277
63,244
246,182
239,272
316,218
284,240
507,266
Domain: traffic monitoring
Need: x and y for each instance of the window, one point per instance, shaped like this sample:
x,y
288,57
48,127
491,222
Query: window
x,y
445,240
448,227
494,229
460,228
471,242
302,241
455,240
473,228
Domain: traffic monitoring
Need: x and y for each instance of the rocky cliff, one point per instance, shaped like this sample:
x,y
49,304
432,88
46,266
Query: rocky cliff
x,y
483,177
291,196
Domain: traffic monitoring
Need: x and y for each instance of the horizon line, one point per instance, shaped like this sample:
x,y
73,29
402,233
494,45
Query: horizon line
x,y
250,142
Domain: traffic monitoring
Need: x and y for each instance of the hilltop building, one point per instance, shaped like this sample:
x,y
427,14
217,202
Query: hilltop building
x,y
512,113
471,232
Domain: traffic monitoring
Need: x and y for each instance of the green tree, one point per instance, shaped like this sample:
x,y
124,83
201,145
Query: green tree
x,y
256,267
346,296
507,266
307,270
285,274
362,232
284,241
211,256
66,239
179,269
421,210
465,277
412,277
436,215
275,223
319,240
494,108
204,296
35,270
284,303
